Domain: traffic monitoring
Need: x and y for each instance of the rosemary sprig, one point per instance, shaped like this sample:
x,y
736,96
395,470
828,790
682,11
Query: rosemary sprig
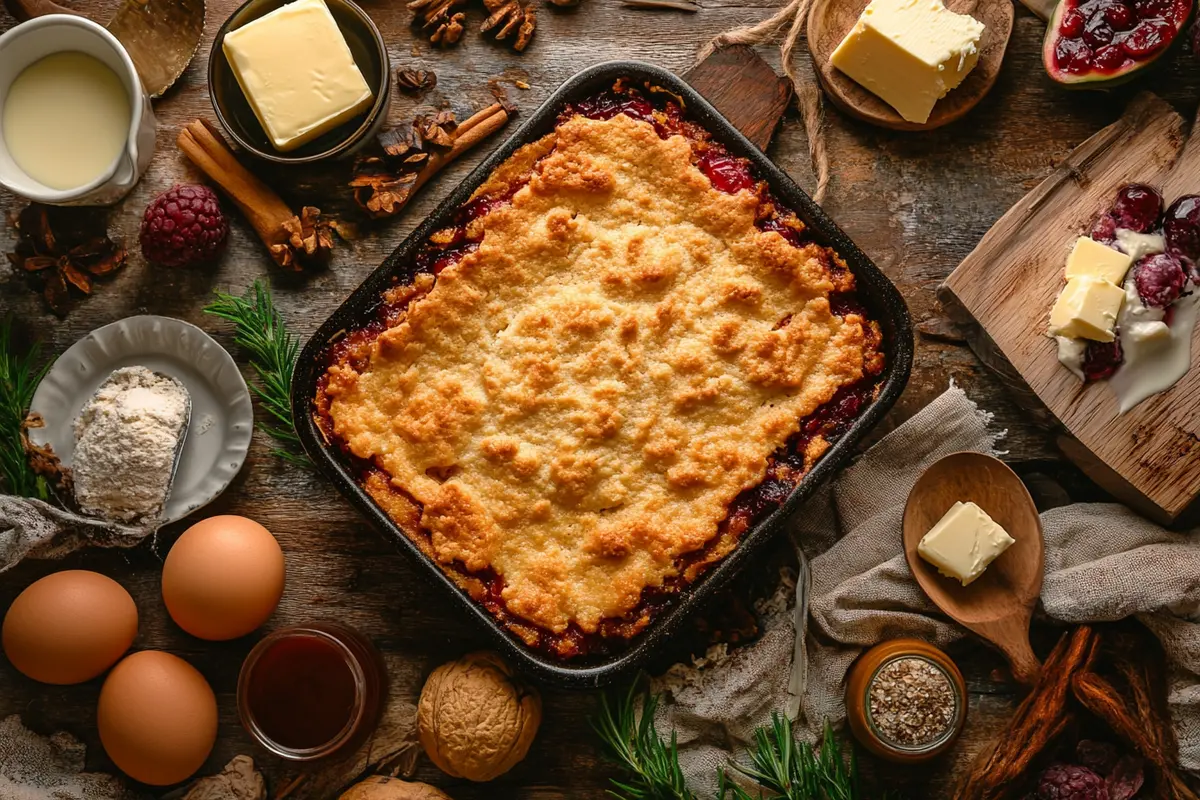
x,y
261,332
794,771
782,768
19,378
634,743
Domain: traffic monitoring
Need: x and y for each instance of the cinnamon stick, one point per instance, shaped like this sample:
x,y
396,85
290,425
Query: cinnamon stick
x,y
290,238
470,132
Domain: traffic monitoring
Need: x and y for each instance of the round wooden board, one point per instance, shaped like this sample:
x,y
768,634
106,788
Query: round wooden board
x,y
830,21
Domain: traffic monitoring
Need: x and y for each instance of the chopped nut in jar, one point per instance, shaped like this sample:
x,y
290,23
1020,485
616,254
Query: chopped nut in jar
x,y
911,702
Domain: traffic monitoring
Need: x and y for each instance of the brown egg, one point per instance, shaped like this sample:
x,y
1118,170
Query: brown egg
x,y
157,718
223,577
69,627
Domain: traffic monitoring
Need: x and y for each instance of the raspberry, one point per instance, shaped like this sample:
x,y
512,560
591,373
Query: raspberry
x,y
1159,279
1069,782
183,227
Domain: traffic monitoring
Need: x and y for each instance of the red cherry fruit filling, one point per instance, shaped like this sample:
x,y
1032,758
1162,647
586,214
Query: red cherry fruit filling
x,y
1101,359
728,173
1138,207
1159,280
1181,228
1097,39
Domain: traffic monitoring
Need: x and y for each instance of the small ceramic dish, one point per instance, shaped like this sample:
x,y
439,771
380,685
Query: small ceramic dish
x,y
222,418
238,119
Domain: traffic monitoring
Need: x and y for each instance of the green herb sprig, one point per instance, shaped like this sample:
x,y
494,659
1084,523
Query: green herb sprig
x,y
262,333
782,768
634,743
19,378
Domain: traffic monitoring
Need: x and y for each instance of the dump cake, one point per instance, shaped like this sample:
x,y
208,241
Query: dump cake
x,y
621,355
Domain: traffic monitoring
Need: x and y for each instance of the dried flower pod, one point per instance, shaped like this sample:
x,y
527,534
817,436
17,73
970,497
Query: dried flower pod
x,y
381,787
415,81
475,719
62,250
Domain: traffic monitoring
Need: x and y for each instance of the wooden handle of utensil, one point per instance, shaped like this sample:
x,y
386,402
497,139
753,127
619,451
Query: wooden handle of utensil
x,y
28,9
1023,664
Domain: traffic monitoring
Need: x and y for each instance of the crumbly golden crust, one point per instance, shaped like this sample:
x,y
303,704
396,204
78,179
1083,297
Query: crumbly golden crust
x,y
575,404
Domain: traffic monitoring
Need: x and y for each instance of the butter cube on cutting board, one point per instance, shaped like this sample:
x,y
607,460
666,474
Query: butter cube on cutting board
x,y
1087,309
910,53
1090,259
964,542
297,73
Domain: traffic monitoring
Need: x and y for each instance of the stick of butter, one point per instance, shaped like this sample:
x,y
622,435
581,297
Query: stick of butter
x,y
297,73
964,542
910,53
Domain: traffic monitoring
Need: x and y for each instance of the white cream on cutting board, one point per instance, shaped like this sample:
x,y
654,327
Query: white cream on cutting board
x,y
66,119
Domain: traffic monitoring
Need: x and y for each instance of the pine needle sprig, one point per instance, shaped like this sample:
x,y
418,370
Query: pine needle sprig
x,y
632,741
794,771
262,333
19,379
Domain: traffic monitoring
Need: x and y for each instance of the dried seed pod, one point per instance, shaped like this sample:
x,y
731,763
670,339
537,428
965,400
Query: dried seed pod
x,y
415,81
475,719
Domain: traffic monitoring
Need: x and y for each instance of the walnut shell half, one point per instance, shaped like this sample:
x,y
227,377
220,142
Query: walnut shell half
x,y
381,787
475,719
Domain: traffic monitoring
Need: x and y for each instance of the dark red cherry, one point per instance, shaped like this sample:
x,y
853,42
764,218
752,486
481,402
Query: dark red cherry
x,y
1138,207
1101,359
1159,279
1105,230
1181,227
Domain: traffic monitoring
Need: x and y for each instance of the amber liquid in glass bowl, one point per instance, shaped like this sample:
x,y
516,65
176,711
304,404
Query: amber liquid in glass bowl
x,y
312,691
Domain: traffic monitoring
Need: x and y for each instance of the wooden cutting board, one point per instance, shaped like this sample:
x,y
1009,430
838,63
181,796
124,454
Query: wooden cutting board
x,y
1150,456
744,89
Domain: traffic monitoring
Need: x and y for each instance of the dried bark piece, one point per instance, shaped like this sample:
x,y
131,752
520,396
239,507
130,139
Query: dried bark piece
x,y
238,781
510,16
415,81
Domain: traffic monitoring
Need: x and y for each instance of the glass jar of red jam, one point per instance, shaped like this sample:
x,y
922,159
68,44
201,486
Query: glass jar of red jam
x,y
312,691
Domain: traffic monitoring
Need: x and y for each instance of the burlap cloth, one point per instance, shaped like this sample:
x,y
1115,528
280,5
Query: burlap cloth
x,y
1103,563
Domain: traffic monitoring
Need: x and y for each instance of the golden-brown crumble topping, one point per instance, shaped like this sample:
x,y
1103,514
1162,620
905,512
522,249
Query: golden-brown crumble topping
x,y
576,403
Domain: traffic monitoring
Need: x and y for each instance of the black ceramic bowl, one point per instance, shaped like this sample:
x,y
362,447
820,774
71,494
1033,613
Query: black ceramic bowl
x,y
238,119
877,293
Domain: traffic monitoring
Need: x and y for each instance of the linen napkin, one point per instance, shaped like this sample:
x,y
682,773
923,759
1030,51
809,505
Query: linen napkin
x,y
1103,563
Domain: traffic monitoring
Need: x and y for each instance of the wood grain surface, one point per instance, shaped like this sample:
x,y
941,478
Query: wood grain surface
x,y
1153,446
916,203
998,605
831,20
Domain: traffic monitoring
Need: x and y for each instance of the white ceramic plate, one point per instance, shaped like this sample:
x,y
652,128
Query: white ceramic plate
x,y
222,417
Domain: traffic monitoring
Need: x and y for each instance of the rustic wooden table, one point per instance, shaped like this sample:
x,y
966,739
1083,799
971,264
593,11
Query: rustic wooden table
x,y
916,203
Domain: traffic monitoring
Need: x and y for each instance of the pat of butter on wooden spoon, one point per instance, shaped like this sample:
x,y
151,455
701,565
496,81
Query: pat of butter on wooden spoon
x,y
964,542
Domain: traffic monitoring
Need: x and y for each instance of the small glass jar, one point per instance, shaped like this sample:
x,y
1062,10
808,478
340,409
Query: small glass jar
x,y
906,701
312,691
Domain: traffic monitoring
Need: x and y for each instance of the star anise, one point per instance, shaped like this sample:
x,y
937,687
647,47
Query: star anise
x,y
415,81
61,251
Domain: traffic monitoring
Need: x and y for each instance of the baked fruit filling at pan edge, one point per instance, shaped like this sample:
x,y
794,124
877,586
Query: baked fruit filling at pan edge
x,y
621,356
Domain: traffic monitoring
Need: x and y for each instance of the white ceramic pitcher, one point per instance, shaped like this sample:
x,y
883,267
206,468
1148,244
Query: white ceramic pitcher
x,y
55,33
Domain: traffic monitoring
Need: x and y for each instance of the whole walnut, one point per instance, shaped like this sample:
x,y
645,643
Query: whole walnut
x,y
381,787
475,719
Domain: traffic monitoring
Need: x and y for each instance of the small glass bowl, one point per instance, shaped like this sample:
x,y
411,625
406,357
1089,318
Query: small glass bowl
x,y
862,675
238,119
357,655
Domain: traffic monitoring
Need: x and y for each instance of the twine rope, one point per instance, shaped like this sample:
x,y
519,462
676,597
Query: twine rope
x,y
808,94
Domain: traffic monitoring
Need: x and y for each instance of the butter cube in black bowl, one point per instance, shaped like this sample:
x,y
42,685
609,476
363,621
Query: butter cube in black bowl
x,y
298,81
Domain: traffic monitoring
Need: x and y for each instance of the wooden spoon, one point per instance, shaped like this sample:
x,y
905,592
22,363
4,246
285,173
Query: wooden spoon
x,y
830,20
999,604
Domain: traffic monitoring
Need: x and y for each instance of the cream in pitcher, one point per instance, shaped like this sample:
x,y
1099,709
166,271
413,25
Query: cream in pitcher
x,y
47,107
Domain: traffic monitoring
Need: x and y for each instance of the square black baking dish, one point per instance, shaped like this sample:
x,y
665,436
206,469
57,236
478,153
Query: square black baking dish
x,y
883,302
